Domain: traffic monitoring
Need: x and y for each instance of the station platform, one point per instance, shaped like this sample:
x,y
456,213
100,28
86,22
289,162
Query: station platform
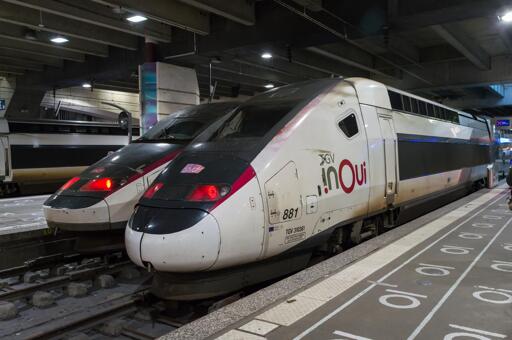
x,y
22,215
446,275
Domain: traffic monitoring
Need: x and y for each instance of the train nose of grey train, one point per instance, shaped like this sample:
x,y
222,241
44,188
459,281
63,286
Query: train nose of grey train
x,y
182,218
177,240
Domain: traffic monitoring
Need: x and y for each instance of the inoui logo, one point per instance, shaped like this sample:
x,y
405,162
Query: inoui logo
x,y
346,175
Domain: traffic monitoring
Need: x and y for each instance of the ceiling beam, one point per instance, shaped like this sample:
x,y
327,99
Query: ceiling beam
x,y
170,12
155,31
312,5
17,33
34,19
462,73
341,57
20,64
455,36
231,77
120,65
36,50
240,11
11,70
30,58
444,13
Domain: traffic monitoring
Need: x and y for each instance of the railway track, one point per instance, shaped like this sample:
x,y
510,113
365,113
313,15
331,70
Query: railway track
x,y
67,295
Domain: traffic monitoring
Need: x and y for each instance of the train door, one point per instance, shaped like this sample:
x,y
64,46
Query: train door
x,y
389,148
4,159
284,204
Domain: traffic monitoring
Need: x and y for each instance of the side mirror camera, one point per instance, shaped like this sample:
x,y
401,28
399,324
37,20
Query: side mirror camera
x,y
123,120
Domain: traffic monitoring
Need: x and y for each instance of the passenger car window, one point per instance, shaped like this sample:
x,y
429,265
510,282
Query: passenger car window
x,y
396,100
407,103
349,125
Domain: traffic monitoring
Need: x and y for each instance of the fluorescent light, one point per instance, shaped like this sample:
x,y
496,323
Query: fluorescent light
x,y
266,55
507,17
87,85
136,18
269,86
59,40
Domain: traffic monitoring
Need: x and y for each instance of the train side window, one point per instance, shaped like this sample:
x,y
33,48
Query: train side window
x,y
423,108
407,103
414,105
430,110
396,100
349,125
455,117
439,112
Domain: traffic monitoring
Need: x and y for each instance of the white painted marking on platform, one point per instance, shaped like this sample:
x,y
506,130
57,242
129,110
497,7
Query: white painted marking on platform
x,y
502,266
456,284
258,327
395,250
290,311
382,284
350,336
411,298
433,270
471,236
455,250
483,225
479,331
239,335
506,300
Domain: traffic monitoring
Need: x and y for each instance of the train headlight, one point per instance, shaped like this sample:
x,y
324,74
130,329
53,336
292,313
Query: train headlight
x,y
208,192
99,184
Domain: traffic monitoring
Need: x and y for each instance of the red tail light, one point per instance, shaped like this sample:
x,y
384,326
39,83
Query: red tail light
x,y
69,183
152,190
208,193
99,184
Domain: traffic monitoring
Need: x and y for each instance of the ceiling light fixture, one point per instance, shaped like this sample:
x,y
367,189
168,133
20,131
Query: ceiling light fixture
x,y
266,55
87,85
59,40
507,17
137,18
269,86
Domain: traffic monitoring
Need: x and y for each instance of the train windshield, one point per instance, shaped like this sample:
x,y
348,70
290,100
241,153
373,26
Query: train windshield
x,y
185,125
173,130
252,121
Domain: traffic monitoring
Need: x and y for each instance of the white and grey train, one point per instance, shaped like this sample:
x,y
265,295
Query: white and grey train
x,y
97,203
310,166
39,156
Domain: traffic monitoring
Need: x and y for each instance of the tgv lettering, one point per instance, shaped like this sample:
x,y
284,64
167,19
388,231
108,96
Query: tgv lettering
x,y
331,175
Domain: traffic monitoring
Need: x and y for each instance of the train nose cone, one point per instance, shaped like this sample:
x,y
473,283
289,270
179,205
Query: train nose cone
x,y
192,248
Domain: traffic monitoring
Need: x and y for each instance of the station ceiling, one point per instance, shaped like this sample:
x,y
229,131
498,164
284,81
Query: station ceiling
x,y
452,50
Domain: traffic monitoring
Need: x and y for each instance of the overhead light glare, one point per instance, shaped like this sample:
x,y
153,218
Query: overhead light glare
x,y
59,40
269,86
266,55
86,85
507,17
137,18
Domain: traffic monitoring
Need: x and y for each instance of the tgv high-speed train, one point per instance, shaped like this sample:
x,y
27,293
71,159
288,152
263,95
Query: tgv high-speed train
x,y
98,203
303,167
39,156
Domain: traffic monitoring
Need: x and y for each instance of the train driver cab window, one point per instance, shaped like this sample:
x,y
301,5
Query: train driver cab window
x,y
349,125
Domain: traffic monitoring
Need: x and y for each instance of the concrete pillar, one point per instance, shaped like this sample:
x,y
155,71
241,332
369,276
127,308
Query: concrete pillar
x,y
7,87
165,88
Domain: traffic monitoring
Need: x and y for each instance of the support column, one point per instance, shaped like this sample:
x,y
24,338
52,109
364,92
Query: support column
x,y
164,89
